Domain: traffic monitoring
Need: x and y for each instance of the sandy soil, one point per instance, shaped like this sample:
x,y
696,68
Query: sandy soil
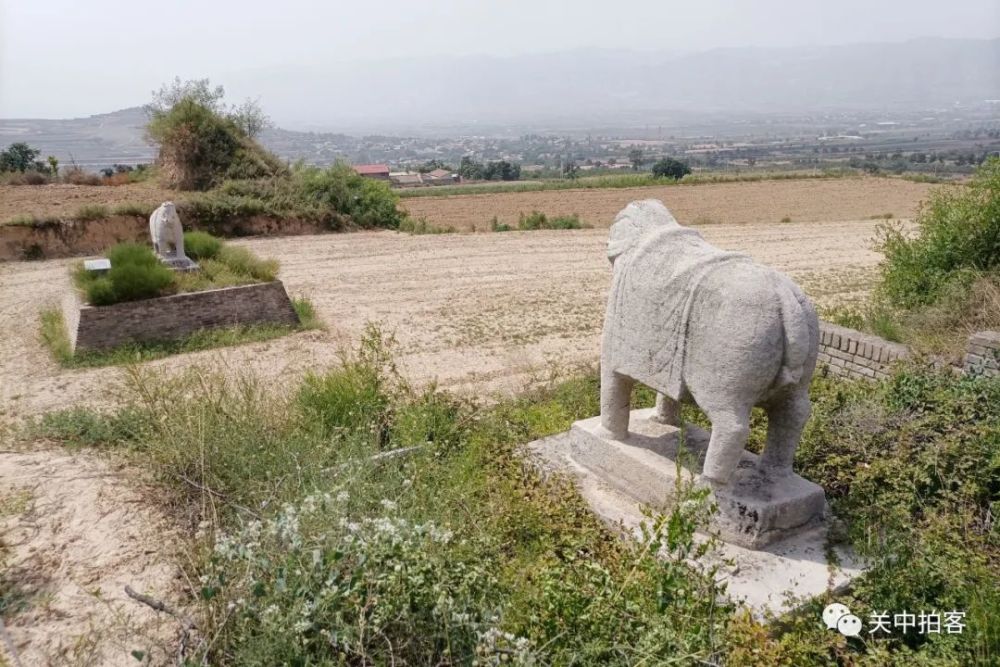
x,y
73,533
761,202
60,200
476,312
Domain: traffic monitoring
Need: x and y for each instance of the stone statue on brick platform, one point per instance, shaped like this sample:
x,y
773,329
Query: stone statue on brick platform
x,y
168,237
699,324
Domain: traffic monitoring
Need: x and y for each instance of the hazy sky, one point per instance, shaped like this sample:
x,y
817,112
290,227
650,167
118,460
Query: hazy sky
x,y
63,58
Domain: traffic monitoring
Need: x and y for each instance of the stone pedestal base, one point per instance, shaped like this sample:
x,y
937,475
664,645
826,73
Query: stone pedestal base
x,y
774,547
179,263
754,509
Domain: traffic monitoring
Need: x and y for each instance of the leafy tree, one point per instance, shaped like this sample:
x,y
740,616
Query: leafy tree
x,y
671,168
502,170
470,169
199,91
53,165
250,118
635,156
571,169
431,165
18,157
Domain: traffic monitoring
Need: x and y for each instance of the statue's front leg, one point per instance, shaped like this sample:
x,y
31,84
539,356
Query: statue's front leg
x,y
616,395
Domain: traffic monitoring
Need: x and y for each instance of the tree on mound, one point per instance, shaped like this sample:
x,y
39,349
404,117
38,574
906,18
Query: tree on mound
x,y
201,142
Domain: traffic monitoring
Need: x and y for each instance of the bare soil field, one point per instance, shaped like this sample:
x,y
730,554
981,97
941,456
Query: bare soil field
x,y
808,200
74,531
63,201
476,312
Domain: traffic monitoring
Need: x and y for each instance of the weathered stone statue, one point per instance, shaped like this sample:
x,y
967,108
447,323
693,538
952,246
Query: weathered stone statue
x,y
699,324
168,237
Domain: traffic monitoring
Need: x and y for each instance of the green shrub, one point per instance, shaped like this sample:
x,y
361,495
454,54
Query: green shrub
x,y
533,221
131,282
369,203
201,245
101,292
958,239
132,253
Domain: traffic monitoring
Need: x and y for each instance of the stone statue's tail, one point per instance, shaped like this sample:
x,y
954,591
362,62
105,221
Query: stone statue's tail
x,y
795,322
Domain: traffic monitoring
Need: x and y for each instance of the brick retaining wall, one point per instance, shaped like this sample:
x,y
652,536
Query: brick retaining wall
x,y
175,316
983,354
853,354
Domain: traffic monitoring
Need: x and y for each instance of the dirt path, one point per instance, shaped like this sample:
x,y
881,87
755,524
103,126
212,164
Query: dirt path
x,y
760,202
73,533
477,312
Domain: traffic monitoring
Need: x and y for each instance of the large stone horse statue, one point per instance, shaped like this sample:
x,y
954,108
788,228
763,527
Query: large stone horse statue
x,y
699,324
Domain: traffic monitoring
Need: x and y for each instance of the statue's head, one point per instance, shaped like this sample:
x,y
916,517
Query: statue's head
x,y
634,221
169,208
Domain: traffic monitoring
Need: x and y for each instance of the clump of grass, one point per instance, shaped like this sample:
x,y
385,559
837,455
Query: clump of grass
x,y
497,226
308,318
537,220
786,219
242,261
422,226
89,212
30,220
201,245
135,274
22,219
882,216
133,209
54,335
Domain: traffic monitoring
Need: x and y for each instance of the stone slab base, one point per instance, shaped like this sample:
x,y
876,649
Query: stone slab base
x,y
770,579
171,317
754,509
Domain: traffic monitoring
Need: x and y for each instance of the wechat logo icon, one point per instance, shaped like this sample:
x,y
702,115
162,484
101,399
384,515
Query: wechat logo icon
x,y
838,617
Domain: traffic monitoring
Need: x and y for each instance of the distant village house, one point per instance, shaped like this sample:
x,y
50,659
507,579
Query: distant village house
x,y
377,171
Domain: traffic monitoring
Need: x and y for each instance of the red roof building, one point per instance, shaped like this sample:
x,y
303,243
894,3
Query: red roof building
x,y
377,171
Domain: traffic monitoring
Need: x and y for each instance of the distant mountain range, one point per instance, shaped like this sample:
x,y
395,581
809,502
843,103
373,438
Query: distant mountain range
x,y
585,88
601,86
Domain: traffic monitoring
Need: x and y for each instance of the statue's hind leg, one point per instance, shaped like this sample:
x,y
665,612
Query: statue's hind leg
x,y
668,411
786,417
730,429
